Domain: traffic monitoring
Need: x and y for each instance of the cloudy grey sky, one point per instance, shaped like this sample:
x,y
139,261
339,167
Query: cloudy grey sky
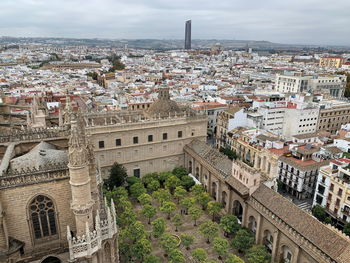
x,y
282,21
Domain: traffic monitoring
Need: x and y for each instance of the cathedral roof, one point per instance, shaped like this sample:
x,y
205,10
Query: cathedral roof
x,y
42,154
163,107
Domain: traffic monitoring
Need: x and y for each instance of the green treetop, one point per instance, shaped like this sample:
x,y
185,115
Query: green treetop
x,y
177,220
258,254
199,255
179,193
232,258
187,203
195,212
145,199
220,246
153,185
176,256
229,224
243,240
171,183
203,199
137,189
209,230
167,242
117,176
148,211
167,208
186,240
158,227
214,208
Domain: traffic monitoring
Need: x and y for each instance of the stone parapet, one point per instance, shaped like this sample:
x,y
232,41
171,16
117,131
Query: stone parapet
x,y
50,172
86,245
35,134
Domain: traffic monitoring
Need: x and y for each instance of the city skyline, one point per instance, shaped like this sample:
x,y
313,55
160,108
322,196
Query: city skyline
x,y
305,22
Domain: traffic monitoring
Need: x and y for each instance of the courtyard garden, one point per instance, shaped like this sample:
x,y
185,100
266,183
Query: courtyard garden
x,y
165,217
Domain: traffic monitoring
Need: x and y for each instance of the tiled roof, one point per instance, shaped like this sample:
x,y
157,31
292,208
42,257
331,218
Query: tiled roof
x,y
219,162
305,135
264,138
303,165
333,149
330,242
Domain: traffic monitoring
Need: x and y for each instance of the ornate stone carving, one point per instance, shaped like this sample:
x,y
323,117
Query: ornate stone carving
x,y
91,241
78,152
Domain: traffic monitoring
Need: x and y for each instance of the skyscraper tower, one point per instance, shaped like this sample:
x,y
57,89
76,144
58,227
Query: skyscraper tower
x,y
188,34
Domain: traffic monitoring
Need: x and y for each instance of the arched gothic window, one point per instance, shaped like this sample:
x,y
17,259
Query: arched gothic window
x,y
43,217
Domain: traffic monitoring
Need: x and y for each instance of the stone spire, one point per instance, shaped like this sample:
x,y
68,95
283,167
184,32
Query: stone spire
x,y
80,181
68,112
78,152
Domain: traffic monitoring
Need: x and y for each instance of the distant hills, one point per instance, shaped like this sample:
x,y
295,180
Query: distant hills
x,y
165,44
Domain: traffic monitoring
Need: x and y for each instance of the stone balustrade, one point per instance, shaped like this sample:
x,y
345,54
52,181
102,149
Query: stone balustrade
x,y
49,172
116,118
34,134
89,243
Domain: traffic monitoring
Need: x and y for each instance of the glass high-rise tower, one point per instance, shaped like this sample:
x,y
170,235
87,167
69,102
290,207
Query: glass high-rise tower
x,y
188,35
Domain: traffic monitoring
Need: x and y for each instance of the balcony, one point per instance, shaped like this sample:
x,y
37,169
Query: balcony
x,y
345,211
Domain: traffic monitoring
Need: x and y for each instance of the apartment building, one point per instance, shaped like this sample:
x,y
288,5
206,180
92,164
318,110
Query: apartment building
x,y
333,114
332,84
226,121
333,190
259,150
298,171
213,109
331,62
285,118
292,84
273,116
300,119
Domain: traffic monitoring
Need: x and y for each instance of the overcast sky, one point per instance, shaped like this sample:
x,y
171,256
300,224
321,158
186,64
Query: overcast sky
x,y
281,21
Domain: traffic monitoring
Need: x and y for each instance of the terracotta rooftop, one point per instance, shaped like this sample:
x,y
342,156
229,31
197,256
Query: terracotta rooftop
x,y
330,242
302,165
282,151
207,105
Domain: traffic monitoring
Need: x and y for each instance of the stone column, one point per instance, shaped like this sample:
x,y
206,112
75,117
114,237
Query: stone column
x,y
274,254
219,192
258,229
230,203
244,216
295,258
209,183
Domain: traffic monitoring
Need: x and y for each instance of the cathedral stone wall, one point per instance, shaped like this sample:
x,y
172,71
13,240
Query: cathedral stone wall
x,y
16,201
160,154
